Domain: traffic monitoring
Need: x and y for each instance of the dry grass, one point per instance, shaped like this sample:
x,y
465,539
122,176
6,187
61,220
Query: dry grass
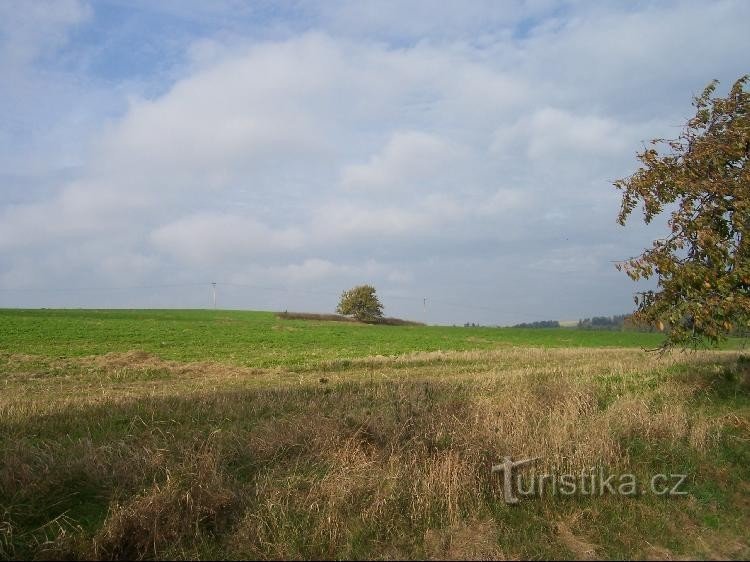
x,y
316,316
193,500
385,320
582,549
130,456
465,540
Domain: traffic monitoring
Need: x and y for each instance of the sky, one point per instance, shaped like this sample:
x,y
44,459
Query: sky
x,y
459,156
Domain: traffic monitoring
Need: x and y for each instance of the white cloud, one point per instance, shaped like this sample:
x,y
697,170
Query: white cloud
x,y
339,221
29,29
415,19
636,61
312,269
215,238
129,266
317,270
411,161
265,125
399,147
555,133
504,201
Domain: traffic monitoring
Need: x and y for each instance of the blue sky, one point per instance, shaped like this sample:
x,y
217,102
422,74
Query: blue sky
x,y
462,152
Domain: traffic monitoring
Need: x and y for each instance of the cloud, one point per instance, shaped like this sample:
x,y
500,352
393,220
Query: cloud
x,y
552,132
410,161
215,238
635,61
413,20
467,151
29,30
504,201
261,127
317,270
341,221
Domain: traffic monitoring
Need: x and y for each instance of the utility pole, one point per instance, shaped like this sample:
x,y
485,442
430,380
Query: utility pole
x,y
213,293
424,308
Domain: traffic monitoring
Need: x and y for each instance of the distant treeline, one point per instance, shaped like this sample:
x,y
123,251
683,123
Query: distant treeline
x,y
616,322
540,324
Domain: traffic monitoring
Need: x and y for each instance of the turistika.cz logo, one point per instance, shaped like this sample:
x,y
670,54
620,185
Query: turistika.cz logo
x,y
592,482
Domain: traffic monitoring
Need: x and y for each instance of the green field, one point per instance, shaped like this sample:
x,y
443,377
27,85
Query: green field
x,y
260,339
218,434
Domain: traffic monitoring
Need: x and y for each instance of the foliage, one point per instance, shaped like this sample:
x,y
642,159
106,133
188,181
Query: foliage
x,y
362,303
539,324
703,178
603,322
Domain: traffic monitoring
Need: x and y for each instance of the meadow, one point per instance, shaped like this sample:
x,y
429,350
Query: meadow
x,y
217,434
260,339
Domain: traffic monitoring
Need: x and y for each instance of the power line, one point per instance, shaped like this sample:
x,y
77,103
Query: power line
x,y
82,289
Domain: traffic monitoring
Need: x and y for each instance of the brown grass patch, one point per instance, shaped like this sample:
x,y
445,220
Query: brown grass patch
x,y
475,539
316,316
582,549
142,360
193,501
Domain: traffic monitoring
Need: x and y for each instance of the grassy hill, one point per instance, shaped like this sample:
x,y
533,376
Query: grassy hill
x,y
213,434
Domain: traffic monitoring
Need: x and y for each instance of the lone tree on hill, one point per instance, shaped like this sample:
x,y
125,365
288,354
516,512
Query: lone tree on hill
x,y
362,303
703,265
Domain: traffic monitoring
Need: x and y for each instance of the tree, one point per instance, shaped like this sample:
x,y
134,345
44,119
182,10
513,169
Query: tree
x,y
362,303
703,264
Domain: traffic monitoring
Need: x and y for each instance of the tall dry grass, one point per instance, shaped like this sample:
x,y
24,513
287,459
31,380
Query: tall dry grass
x,y
382,457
